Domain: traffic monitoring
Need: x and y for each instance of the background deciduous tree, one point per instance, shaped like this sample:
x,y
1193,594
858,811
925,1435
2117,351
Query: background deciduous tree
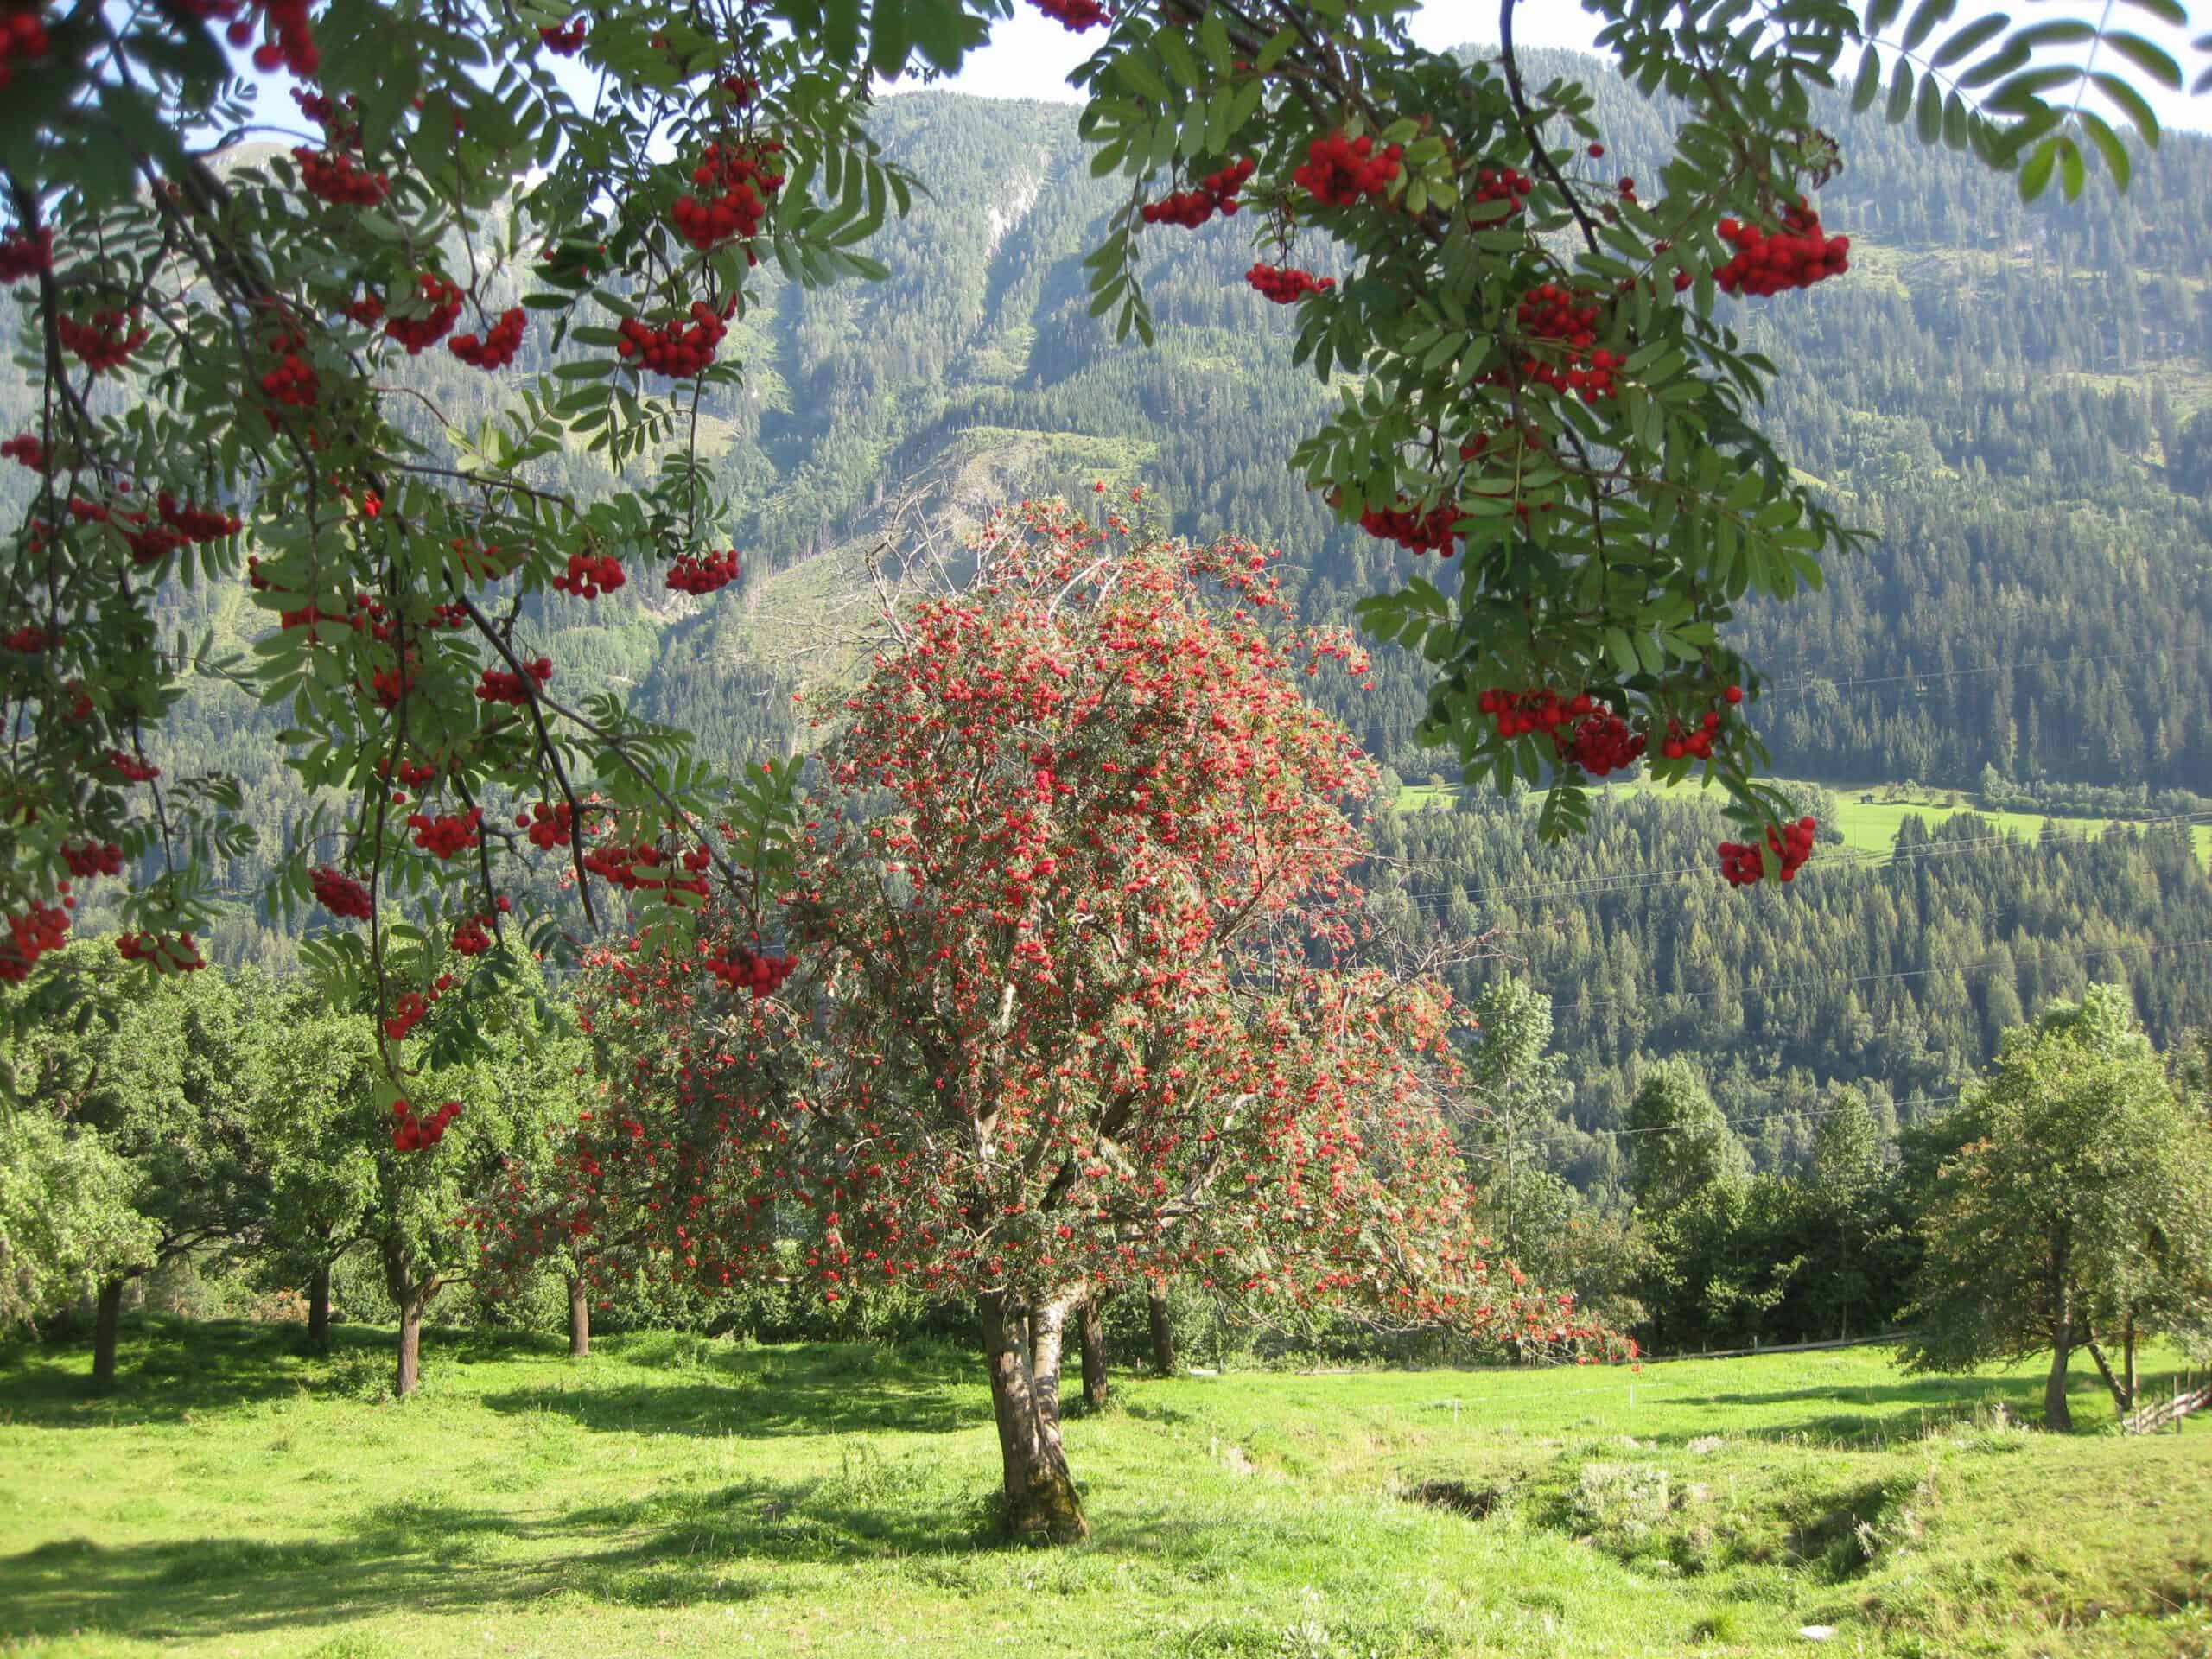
x,y
2070,1210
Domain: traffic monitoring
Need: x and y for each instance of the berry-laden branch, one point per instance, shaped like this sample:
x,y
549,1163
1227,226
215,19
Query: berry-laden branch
x,y
1573,422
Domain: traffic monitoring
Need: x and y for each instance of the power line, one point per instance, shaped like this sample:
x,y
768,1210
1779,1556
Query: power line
x,y
1632,880
1871,979
1809,681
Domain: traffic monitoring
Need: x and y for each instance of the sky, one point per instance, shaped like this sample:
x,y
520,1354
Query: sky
x,y
1030,56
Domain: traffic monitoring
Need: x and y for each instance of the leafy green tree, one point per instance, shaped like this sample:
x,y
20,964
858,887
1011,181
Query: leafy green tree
x,y
2072,1209
67,1226
1515,1088
525,1079
1858,1243
1681,1145
317,1121
165,1081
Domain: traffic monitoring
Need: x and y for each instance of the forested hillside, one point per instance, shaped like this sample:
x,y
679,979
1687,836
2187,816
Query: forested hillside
x,y
2019,401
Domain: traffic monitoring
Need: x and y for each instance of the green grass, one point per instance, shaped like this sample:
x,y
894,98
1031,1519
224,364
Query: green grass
x,y
672,1496
1867,826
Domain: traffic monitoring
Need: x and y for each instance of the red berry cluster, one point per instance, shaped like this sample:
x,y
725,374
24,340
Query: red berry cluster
x,y
1584,731
752,970
163,954
499,686
105,341
1745,862
331,115
589,575
702,572
1287,285
469,938
179,524
92,858
1340,172
737,189
672,349
1417,532
1694,744
449,833
38,929
406,1013
26,253
1215,194
292,382
416,333
566,41
1503,184
133,769
339,180
1600,744
391,685
1800,255
292,43
195,523
26,448
368,311
645,868
22,37
411,1133
1569,316
341,894
1075,15
498,348
30,640
548,826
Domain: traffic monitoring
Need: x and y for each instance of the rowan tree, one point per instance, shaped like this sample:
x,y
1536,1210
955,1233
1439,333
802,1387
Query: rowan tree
x,y
1546,381
1079,1009
2075,1209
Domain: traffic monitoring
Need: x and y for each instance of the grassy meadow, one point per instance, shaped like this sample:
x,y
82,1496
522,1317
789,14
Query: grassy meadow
x,y
677,1495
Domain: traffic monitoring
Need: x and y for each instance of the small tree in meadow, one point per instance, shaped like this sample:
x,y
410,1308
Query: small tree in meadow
x,y
1076,919
149,1089
316,1119
2076,1211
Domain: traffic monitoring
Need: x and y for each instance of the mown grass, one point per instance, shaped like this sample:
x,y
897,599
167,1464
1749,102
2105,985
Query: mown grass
x,y
673,1496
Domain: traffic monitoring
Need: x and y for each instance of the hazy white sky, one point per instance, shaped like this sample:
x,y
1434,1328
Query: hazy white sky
x,y
1030,55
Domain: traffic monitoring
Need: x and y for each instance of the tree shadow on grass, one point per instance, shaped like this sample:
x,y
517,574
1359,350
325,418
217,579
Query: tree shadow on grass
x,y
828,1388
169,1370
1882,1412
734,1542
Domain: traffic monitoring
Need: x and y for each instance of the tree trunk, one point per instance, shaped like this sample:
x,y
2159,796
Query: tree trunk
x,y
2120,1399
2056,1416
1091,1328
104,1320
319,1306
1163,1333
1048,1336
579,1318
2128,1357
1041,1505
410,1374
410,1298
